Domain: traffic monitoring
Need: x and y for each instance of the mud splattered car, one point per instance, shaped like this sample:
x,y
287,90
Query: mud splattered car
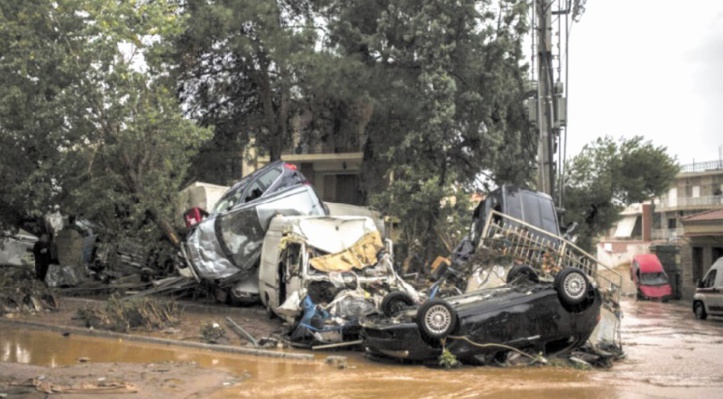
x,y
323,273
549,317
224,249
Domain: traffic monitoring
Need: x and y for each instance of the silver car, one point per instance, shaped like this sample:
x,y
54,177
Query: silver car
x,y
224,249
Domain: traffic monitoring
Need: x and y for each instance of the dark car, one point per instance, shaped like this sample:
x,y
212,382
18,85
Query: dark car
x,y
529,315
224,248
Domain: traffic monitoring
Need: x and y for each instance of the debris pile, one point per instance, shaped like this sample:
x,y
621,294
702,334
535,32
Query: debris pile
x,y
212,332
21,292
138,313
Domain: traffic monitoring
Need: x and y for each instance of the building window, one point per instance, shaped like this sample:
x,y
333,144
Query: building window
x,y
672,224
695,192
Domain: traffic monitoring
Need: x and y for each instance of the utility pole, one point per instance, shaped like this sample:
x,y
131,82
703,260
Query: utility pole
x,y
545,97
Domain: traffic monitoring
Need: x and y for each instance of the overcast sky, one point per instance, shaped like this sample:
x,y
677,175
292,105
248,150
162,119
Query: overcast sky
x,y
649,68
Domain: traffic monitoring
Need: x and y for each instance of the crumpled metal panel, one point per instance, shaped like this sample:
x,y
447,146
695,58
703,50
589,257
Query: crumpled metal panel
x,y
335,234
228,243
205,253
360,255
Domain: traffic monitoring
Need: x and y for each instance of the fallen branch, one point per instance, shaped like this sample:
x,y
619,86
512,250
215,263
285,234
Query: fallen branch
x,y
241,332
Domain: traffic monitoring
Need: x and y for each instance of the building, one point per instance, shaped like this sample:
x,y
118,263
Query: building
x,y
334,169
689,217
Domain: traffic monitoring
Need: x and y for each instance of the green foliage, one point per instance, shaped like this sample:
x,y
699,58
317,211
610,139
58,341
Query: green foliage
x,y
88,114
242,66
448,360
446,84
607,176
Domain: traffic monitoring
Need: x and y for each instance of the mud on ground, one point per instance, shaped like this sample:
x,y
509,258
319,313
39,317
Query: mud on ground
x,y
165,380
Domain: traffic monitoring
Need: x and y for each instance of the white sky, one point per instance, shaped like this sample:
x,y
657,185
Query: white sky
x,y
649,68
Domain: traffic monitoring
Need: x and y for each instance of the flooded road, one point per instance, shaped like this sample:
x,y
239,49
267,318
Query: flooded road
x,y
669,355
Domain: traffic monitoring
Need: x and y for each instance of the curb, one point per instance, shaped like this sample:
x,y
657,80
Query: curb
x,y
161,341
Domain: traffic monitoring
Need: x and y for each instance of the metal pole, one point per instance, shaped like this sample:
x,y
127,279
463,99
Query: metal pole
x,y
545,97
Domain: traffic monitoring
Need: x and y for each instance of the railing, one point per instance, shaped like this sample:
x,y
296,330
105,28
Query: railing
x,y
690,202
667,234
547,252
323,149
702,166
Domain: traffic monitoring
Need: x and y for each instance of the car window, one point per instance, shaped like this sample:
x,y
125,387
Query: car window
x,y
534,210
657,278
261,184
267,179
709,279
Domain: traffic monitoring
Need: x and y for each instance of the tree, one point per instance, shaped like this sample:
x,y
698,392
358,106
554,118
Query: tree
x,y
36,69
241,68
118,147
446,83
608,175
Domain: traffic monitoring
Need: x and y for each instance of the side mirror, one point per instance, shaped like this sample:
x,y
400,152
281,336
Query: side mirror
x,y
700,284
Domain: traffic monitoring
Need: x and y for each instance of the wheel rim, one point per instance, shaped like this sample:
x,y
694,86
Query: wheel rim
x,y
575,285
438,319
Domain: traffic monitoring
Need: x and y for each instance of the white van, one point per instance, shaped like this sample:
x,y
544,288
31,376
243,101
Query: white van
x,y
708,299
345,252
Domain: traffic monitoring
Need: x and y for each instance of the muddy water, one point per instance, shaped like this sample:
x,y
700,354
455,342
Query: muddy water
x,y
669,355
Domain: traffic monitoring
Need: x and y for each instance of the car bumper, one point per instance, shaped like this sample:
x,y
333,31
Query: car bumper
x,y
401,341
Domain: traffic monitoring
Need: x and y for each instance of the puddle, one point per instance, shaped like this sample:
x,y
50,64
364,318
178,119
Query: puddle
x,y
669,355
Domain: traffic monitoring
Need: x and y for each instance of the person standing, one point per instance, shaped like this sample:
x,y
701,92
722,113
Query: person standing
x,y
41,252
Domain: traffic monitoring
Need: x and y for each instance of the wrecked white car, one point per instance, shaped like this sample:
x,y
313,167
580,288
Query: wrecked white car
x,y
322,274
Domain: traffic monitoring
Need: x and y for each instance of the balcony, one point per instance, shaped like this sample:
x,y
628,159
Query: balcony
x,y
701,167
666,234
690,203
324,148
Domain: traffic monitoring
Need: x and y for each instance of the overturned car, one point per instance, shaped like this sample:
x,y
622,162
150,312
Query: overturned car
x,y
566,298
527,314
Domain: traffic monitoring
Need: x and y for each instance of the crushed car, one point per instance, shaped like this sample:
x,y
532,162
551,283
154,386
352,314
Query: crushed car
x,y
568,300
527,314
224,248
323,274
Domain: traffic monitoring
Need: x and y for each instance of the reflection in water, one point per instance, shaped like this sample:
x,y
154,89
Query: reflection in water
x,y
670,355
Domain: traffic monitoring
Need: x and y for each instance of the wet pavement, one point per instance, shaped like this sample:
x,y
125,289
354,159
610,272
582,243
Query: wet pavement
x,y
669,355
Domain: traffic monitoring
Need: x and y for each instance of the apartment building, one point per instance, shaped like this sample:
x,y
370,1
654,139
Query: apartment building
x,y
687,220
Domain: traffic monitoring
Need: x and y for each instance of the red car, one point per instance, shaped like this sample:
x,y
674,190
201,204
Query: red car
x,y
649,278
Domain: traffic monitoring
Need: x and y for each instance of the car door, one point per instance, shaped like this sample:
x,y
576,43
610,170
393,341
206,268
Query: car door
x,y
715,302
708,292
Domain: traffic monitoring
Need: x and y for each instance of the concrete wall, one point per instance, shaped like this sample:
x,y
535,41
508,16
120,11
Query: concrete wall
x,y
618,255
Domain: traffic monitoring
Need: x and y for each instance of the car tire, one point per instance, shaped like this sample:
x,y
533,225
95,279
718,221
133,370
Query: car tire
x,y
395,302
522,273
572,286
436,319
699,310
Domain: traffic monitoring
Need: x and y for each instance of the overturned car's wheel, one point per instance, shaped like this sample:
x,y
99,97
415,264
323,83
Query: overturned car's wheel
x,y
436,318
395,302
522,273
572,286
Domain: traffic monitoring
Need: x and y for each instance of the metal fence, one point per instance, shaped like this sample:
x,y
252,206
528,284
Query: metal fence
x,y
546,252
702,166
